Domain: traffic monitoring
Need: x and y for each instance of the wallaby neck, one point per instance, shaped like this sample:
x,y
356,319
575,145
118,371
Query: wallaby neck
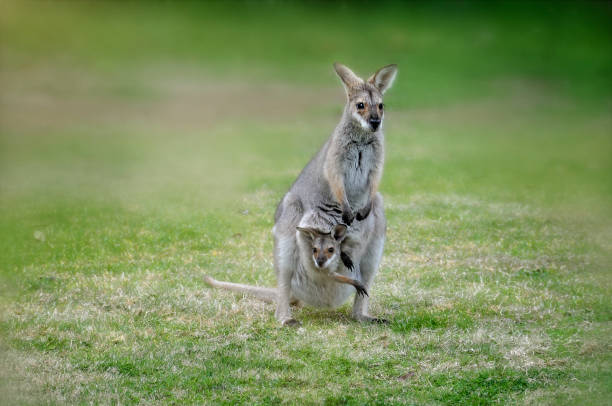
x,y
350,130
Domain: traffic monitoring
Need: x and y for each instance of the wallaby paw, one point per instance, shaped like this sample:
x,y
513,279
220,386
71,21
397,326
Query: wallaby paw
x,y
347,261
364,212
291,323
361,290
348,217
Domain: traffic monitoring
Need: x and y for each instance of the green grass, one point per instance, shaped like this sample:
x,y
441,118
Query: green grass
x,y
144,146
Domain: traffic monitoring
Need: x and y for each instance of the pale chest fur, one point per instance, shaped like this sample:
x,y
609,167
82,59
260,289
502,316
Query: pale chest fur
x,y
319,290
359,160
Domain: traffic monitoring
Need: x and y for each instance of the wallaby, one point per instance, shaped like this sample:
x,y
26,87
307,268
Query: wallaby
x,y
342,179
338,185
319,279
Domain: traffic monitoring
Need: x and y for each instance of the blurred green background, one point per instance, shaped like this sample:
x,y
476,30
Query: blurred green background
x,y
152,141
118,92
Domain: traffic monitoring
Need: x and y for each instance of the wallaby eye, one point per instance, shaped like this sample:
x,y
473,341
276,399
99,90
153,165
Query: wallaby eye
x,y
330,249
360,106
380,106
314,250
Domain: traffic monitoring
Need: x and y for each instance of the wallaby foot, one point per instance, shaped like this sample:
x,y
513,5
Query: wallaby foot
x,y
361,290
359,287
283,314
291,323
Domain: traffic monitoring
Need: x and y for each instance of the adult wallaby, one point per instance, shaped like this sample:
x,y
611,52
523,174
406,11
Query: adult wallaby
x,y
341,179
338,185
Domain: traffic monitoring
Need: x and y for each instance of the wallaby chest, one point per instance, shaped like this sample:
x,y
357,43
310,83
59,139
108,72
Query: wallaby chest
x,y
358,161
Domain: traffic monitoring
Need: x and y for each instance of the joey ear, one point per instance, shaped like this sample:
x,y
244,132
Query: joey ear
x,y
384,77
349,79
339,232
307,232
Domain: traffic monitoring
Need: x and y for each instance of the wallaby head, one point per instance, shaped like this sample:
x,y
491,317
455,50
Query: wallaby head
x,y
365,98
323,248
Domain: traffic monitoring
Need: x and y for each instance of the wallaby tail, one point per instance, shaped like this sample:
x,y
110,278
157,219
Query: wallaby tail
x,y
265,294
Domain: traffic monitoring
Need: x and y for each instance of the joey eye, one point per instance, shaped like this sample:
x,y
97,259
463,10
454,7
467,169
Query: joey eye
x,y
330,249
380,106
360,106
314,250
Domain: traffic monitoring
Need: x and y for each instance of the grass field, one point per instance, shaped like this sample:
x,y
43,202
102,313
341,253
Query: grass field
x,y
144,146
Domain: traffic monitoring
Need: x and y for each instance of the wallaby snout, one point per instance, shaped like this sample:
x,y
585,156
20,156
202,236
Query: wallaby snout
x,y
374,122
321,261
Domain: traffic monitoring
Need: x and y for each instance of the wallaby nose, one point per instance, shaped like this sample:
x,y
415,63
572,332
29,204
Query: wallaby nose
x,y
374,122
320,262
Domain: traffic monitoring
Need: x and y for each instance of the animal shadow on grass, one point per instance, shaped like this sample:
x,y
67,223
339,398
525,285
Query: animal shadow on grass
x,y
325,317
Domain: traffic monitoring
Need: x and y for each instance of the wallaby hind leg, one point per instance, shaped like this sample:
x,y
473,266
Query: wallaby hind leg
x,y
287,217
284,266
370,261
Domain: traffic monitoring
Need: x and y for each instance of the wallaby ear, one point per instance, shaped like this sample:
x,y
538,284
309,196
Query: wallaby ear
x,y
339,232
384,77
349,79
307,232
